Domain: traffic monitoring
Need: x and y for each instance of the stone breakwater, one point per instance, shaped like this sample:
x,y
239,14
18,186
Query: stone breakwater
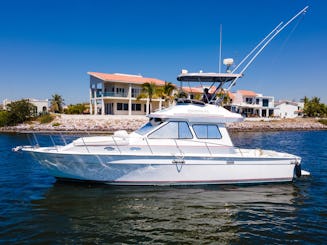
x,y
277,125
111,123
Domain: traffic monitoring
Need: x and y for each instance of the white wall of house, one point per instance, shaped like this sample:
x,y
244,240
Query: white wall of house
x,y
41,105
253,105
287,110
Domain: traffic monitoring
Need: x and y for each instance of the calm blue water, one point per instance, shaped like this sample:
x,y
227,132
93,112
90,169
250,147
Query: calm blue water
x,y
35,208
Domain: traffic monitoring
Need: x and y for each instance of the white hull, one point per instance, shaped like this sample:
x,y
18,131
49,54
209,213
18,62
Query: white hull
x,y
167,170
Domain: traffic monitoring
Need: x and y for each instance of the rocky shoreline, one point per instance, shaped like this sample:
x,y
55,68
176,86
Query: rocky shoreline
x,y
300,124
109,124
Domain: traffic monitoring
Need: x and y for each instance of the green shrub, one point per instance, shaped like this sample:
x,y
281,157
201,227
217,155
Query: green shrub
x,y
75,109
56,124
45,118
323,121
4,118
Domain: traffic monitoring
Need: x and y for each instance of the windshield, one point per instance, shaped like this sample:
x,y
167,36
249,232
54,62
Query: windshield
x,y
145,129
153,123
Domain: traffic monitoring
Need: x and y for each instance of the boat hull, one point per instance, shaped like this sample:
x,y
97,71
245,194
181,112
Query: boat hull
x,y
167,170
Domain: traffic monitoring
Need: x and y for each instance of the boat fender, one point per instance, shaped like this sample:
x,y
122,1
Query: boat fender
x,y
298,170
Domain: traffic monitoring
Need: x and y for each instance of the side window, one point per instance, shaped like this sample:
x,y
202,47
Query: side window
x,y
184,131
204,131
172,130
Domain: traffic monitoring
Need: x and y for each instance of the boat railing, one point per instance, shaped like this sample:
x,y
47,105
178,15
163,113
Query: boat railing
x,y
177,147
56,139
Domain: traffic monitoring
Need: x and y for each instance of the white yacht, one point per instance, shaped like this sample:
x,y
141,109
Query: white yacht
x,y
185,144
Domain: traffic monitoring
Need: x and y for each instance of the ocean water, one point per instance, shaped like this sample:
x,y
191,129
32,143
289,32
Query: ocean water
x,y
37,209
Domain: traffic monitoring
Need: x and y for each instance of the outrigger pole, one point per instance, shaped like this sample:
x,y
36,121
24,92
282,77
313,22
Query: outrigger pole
x,y
277,31
256,47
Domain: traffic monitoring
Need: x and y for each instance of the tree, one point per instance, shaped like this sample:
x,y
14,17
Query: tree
x,y
181,94
149,90
166,92
224,97
57,103
4,118
313,107
75,109
20,111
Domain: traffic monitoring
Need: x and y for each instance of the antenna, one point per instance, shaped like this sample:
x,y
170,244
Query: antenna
x,y
220,44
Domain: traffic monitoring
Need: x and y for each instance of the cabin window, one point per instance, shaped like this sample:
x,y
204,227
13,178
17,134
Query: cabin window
x,y
204,131
172,130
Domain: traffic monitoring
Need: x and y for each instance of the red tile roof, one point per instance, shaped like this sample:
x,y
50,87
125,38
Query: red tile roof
x,y
247,93
197,90
126,78
192,90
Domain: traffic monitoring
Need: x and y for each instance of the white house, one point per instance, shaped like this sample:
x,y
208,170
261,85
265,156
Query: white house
x,y
116,94
288,109
251,104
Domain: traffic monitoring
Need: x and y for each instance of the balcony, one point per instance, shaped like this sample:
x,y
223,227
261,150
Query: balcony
x,y
110,94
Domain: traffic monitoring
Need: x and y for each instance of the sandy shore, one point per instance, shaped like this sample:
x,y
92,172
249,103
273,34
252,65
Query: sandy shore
x,y
111,123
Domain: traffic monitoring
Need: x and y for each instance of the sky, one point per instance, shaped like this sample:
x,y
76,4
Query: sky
x,y
48,46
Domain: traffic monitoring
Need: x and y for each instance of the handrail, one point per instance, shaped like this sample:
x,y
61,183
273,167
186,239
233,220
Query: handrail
x,y
63,139
116,144
85,145
146,140
180,151
36,141
54,144
206,144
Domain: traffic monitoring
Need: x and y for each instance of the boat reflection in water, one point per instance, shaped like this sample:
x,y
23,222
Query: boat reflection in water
x,y
223,214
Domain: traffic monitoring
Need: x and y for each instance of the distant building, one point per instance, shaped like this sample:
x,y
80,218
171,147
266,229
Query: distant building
x,y
41,106
288,109
116,94
251,104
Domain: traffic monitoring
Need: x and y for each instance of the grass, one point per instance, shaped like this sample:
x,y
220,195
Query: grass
x,y
46,118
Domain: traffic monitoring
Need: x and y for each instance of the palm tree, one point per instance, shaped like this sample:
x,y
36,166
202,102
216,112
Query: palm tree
x,y
166,92
149,90
224,97
180,94
57,103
